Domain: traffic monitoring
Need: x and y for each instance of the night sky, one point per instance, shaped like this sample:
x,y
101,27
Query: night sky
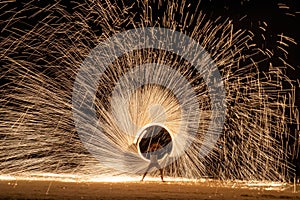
x,y
282,16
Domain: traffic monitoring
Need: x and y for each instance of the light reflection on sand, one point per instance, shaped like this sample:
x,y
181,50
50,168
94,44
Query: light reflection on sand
x,y
263,185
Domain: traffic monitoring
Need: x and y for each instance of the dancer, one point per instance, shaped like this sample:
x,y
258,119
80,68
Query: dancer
x,y
153,160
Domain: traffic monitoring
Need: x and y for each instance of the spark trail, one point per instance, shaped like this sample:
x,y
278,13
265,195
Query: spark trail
x,y
40,62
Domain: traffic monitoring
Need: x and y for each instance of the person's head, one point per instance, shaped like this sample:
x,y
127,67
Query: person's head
x,y
155,147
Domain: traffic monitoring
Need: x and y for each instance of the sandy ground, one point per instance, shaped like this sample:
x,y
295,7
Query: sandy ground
x,y
24,189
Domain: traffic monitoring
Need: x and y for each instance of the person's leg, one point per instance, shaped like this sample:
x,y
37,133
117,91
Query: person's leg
x,y
144,176
161,171
161,175
148,168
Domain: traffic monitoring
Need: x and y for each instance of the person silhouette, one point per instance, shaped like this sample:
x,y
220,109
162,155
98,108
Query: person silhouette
x,y
154,160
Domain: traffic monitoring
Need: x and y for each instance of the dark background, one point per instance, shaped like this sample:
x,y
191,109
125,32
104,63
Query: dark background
x,y
279,20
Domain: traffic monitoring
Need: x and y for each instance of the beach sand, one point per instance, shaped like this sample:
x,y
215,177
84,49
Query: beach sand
x,y
26,189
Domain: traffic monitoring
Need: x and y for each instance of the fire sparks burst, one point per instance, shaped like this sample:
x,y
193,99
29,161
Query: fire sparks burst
x,y
39,67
